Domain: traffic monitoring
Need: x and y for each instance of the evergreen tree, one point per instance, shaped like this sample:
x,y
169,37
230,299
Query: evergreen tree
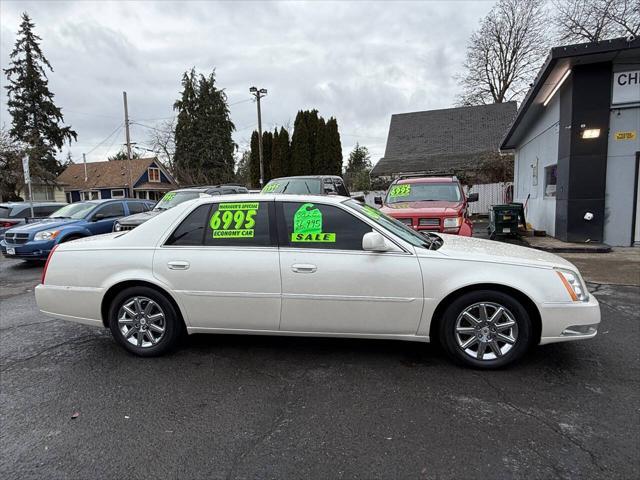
x,y
254,160
243,172
359,159
320,157
276,161
280,158
35,119
333,148
122,155
301,146
267,150
185,158
204,144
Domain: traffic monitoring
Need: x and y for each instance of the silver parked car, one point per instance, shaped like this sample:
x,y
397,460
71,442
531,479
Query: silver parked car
x,y
13,214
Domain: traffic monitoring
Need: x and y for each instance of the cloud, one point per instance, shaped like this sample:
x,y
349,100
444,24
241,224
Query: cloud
x,y
357,61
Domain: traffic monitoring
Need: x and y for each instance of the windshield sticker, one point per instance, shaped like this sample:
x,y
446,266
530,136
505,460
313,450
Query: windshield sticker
x,y
271,187
400,190
371,212
307,226
234,220
168,196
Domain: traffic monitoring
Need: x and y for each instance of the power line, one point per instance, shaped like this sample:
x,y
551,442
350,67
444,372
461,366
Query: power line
x,y
106,139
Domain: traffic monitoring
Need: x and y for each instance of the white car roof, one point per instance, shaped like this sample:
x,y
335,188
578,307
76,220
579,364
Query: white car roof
x,y
265,197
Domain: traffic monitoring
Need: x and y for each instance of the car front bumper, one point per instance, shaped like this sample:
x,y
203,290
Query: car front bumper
x,y
564,322
27,251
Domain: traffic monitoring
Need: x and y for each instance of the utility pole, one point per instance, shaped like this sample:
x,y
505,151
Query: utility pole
x,y
259,94
126,129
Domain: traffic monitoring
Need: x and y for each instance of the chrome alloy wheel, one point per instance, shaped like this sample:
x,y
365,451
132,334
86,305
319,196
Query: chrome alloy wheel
x,y
141,322
486,331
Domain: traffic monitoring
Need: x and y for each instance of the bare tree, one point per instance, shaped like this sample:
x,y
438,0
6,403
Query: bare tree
x,y
505,53
594,20
162,141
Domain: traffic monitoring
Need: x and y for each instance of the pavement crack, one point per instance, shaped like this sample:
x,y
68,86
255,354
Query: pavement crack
x,y
79,340
549,425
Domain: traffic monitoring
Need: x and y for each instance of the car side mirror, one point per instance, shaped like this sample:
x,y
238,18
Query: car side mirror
x,y
377,200
473,197
374,242
98,216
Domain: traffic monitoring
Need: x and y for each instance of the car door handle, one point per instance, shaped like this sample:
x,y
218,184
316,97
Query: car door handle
x,y
177,265
303,268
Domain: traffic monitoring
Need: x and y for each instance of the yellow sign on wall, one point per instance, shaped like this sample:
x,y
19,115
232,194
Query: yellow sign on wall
x,y
625,135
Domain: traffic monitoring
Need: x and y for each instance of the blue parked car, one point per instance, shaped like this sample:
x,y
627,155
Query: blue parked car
x,y
34,241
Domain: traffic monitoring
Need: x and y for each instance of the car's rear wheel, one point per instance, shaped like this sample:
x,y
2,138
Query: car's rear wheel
x,y
144,321
486,329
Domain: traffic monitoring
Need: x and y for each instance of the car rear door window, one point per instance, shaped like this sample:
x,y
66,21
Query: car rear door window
x,y
241,224
136,207
319,226
192,229
112,210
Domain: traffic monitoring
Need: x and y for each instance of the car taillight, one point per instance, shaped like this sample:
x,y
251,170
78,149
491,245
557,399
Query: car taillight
x,y
7,223
46,265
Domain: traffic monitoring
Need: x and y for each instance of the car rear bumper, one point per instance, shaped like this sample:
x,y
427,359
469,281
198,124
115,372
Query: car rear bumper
x,y
564,322
76,304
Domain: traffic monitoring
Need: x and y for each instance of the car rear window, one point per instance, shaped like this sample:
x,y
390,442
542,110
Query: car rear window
x,y
4,212
295,186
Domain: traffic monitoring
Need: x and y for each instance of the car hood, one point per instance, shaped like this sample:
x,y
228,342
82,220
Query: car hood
x,y
46,224
469,248
138,218
434,208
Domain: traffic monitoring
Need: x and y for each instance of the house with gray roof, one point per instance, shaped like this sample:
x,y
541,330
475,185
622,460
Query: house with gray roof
x,y
444,141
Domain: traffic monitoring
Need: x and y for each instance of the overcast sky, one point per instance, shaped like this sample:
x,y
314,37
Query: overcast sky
x,y
357,61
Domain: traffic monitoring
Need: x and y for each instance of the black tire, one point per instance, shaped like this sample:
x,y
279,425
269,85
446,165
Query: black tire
x,y
171,323
513,310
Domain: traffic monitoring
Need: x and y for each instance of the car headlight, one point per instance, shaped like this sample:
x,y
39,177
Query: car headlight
x,y
574,285
117,227
452,222
46,235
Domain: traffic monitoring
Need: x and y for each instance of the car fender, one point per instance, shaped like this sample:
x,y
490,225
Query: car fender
x,y
443,277
66,232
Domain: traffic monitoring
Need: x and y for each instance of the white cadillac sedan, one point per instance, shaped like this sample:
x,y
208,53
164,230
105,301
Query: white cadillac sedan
x,y
314,266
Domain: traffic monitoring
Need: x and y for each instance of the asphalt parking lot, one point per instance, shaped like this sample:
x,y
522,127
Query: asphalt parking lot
x,y
74,405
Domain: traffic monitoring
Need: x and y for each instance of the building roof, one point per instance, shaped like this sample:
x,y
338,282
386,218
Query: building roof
x,y
559,61
110,174
443,140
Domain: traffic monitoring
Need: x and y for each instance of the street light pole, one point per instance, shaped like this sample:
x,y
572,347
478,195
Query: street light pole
x,y
259,93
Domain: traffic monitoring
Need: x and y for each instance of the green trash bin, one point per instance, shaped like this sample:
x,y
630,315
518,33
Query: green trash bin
x,y
504,219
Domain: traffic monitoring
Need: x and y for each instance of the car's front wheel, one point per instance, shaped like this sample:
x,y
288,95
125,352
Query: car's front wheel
x,y
144,321
486,329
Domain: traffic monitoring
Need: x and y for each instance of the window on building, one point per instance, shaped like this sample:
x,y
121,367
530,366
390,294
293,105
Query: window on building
x,y
68,196
550,180
90,195
154,174
119,193
309,225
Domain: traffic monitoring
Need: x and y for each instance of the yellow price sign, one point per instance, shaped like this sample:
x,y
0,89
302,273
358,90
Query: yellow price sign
x,y
625,135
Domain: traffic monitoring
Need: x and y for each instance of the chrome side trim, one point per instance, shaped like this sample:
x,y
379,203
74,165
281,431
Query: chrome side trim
x,y
348,298
205,293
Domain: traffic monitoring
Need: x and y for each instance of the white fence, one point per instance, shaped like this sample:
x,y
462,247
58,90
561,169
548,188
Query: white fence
x,y
488,194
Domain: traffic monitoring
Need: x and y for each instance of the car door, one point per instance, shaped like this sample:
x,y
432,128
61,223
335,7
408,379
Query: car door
x,y
101,220
331,285
222,262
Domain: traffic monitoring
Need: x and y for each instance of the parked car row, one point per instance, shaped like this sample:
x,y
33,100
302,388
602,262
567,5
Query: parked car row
x,y
13,214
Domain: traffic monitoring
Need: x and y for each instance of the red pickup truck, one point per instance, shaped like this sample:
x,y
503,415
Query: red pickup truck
x,y
433,204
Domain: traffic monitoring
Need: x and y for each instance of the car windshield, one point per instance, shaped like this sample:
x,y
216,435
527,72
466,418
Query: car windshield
x,y
424,192
74,210
398,228
171,199
300,186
